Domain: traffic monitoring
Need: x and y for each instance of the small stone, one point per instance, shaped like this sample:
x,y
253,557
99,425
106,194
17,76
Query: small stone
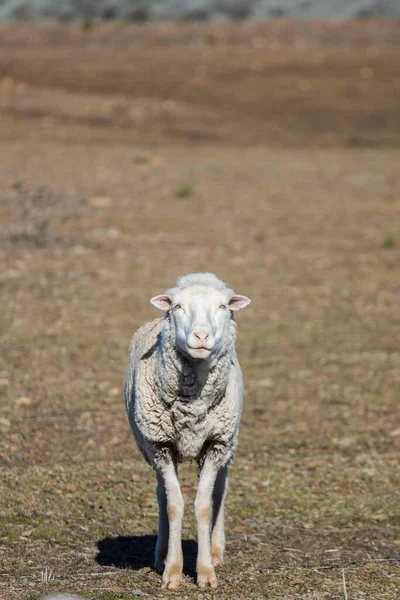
x,y
395,432
27,533
78,250
345,442
101,201
239,529
110,233
303,374
366,73
146,570
266,383
5,423
380,517
115,391
369,471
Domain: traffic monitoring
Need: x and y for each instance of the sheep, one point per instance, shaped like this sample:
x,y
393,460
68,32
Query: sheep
x,y
183,395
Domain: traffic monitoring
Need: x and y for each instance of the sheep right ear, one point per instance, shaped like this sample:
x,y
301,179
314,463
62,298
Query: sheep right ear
x,y
163,301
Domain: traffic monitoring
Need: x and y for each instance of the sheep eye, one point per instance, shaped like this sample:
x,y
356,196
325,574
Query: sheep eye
x,y
177,306
223,306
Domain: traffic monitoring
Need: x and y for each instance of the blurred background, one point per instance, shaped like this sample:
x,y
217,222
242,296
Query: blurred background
x,y
140,141
196,10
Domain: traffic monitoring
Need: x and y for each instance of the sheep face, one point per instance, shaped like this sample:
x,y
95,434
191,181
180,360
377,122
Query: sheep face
x,y
201,315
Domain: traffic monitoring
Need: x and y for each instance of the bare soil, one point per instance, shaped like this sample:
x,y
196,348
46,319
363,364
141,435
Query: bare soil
x,y
268,154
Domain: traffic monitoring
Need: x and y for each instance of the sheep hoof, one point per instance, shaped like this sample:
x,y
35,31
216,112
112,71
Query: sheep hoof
x,y
159,560
172,577
159,566
206,577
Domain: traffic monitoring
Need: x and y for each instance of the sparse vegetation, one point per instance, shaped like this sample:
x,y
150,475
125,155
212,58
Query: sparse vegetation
x,y
34,213
88,24
389,242
186,190
289,212
140,14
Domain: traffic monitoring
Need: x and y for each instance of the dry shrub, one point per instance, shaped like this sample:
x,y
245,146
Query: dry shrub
x,y
36,212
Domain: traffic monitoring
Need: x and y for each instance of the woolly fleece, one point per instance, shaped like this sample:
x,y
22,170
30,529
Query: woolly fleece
x,y
168,409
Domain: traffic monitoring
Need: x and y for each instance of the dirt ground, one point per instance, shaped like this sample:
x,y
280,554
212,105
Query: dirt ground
x,y
268,154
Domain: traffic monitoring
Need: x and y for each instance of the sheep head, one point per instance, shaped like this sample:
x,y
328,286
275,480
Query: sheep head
x,y
201,306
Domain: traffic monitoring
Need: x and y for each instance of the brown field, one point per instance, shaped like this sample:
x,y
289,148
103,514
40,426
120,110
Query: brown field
x,y
270,155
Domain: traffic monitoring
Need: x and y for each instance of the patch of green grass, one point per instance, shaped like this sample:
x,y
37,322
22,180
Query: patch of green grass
x,y
389,242
185,191
88,24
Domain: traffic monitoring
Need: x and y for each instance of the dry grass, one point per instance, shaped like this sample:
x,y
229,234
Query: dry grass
x,y
286,191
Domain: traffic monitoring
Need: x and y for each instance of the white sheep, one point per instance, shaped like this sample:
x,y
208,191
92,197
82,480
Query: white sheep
x,y
183,395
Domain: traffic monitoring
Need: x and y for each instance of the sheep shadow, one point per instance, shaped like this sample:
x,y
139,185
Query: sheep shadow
x,y
137,551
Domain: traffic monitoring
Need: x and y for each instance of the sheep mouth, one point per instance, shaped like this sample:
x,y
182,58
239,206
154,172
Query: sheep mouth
x,y
199,351
200,348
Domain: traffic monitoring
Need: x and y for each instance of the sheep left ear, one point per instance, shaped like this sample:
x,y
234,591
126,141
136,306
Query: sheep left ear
x,y
237,302
163,301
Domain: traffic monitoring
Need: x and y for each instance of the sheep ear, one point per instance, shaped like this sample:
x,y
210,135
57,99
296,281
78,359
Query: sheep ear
x,y
236,302
163,301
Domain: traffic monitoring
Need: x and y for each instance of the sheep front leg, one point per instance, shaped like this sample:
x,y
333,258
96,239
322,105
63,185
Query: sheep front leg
x,y
163,526
172,576
218,531
203,509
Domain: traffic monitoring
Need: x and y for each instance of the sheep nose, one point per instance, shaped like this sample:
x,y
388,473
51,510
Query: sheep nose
x,y
201,335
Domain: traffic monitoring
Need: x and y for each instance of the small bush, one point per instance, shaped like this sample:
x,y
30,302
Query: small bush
x,y
109,13
185,191
389,242
140,14
35,212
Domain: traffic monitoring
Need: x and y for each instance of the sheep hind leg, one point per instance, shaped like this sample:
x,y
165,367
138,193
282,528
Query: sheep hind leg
x,y
163,526
218,530
172,576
